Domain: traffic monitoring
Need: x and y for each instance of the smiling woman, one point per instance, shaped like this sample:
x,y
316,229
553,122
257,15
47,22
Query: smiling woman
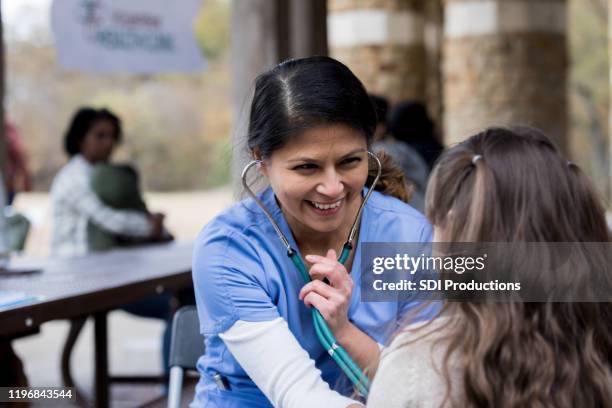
x,y
318,178
311,125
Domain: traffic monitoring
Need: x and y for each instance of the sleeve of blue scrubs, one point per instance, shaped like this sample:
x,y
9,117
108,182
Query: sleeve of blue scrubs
x,y
230,282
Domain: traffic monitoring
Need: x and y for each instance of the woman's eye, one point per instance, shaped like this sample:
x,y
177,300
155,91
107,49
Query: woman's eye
x,y
350,161
305,166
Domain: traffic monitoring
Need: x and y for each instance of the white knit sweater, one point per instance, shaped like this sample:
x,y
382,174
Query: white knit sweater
x,y
410,370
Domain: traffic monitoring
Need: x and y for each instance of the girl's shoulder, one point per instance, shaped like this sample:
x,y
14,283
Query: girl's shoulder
x,y
412,366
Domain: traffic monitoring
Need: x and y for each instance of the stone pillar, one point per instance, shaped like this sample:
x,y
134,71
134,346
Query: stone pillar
x,y
505,62
307,28
434,36
382,43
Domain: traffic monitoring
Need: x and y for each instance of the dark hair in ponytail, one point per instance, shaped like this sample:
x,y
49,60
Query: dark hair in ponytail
x,y
300,94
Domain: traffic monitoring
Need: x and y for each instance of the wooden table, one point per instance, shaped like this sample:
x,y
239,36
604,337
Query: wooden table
x,y
93,285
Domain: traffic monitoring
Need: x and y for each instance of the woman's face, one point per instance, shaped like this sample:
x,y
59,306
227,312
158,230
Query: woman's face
x,y
318,176
99,141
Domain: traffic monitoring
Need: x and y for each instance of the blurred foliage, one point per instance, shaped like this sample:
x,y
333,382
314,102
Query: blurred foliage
x,y
589,88
212,27
220,172
173,124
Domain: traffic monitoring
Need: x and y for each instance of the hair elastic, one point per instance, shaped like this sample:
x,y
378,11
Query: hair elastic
x,y
476,158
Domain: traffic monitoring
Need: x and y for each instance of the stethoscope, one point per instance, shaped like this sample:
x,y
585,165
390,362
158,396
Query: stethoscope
x,y
324,333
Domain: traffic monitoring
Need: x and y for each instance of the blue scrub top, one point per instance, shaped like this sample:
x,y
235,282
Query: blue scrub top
x,y
241,272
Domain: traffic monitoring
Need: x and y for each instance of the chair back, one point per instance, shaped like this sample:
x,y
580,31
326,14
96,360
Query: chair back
x,y
18,227
187,344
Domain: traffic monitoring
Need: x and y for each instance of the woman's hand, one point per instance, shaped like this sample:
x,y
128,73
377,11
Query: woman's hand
x,y
332,299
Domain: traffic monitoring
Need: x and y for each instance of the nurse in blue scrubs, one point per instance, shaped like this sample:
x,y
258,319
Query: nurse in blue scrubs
x,y
311,124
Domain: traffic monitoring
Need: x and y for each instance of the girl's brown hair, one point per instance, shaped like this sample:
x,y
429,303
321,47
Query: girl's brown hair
x,y
505,185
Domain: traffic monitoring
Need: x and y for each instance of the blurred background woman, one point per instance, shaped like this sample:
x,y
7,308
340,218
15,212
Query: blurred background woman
x,y
80,216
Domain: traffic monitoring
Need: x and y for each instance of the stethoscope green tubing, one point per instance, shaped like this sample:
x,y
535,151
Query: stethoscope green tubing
x,y
324,333
326,337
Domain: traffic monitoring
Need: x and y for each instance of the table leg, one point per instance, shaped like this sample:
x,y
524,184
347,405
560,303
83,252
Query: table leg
x,y
76,325
101,360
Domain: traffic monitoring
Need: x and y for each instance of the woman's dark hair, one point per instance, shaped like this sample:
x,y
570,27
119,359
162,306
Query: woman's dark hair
x,y
81,123
410,123
300,94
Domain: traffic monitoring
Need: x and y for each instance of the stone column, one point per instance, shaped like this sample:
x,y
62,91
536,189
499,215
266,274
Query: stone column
x,y
307,28
382,43
434,35
505,62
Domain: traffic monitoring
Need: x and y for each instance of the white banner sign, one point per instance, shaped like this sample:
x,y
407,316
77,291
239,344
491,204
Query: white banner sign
x,y
127,36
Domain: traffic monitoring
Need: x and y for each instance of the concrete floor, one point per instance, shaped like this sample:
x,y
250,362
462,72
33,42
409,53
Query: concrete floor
x,y
134,349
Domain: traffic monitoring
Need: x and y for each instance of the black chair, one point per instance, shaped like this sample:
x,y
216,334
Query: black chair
x,y
186,346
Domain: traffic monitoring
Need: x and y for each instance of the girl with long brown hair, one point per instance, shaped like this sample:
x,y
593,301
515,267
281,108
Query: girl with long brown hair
x,y
507,185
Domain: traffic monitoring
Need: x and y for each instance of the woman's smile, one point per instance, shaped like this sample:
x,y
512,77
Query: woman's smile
x,y
326,209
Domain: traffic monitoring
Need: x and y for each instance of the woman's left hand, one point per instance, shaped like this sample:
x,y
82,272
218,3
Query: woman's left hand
x,y
333,299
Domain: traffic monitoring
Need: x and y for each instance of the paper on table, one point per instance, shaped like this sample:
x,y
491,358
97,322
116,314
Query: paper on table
x,y
10,299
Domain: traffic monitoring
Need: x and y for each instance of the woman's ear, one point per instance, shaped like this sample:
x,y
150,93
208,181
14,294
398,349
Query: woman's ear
x,y
263,168
255,154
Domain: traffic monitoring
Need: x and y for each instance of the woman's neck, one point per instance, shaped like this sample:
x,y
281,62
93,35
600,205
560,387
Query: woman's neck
x,y
318,243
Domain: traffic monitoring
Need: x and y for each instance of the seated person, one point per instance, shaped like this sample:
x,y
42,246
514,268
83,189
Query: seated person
x,y
410,123
84,221
89,141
